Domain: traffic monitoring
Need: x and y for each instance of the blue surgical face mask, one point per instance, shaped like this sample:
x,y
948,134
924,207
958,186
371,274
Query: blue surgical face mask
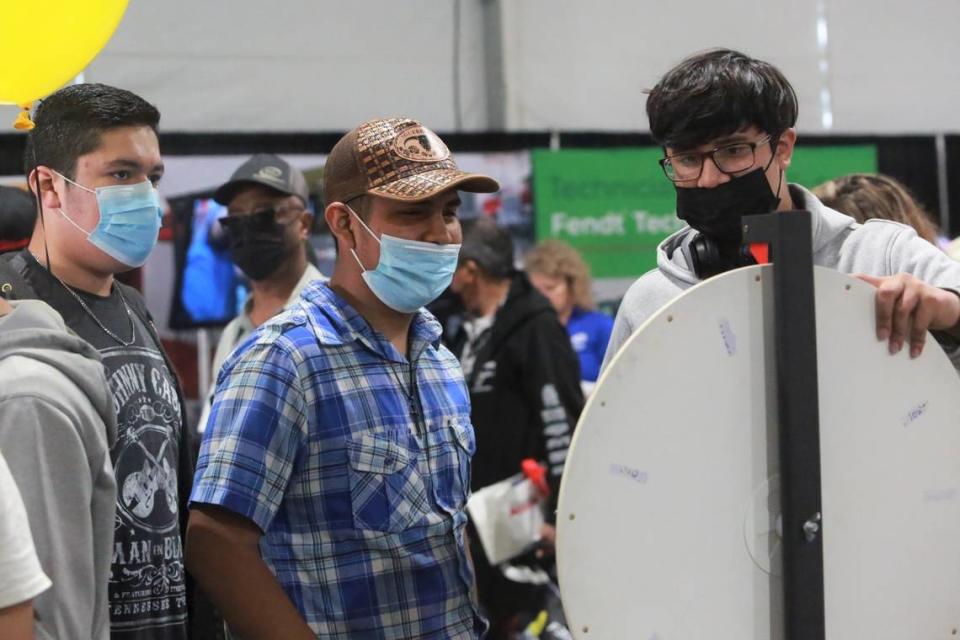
x,y
410,273
129,221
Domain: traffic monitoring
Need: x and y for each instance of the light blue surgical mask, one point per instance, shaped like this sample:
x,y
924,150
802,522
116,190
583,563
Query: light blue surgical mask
x,y
410,273
129,221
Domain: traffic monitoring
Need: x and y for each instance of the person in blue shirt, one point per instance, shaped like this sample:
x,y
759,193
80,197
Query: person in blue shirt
x,y
558,271
334,473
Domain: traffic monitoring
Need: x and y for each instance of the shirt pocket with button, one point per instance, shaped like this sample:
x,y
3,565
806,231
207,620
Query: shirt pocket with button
x,y
386,489
452,447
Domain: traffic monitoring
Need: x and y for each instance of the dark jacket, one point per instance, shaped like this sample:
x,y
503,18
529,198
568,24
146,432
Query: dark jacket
x,y
524,389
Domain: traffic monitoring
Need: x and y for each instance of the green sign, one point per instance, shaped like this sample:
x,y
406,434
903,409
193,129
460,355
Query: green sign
x,y
812,166
615,205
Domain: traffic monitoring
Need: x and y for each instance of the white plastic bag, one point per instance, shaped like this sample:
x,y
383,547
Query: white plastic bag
x,y
508,516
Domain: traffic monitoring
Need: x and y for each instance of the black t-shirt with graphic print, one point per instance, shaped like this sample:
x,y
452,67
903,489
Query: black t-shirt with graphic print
x,y
148,597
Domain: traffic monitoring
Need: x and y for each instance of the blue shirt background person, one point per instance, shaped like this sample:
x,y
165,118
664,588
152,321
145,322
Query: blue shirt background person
x,y
559,272
589,334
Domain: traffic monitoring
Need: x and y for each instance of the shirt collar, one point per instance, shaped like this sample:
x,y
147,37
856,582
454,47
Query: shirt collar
x,y
344,324
310,274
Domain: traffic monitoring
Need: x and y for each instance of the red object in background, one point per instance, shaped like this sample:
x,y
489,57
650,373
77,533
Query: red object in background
x,y
536,473
760,252
166,227
492,206
13,245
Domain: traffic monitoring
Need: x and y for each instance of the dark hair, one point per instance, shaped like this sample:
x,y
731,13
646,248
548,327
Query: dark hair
x,y
716,93
490,246
18,214
70,122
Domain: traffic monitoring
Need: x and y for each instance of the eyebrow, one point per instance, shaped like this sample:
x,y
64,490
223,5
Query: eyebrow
x,y
126,163
424,206
733,138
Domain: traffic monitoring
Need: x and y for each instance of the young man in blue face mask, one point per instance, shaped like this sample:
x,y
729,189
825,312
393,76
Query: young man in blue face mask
x,y
93,161
726,123
330,491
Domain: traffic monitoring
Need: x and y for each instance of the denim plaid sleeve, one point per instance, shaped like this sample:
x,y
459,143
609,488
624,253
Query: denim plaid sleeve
x,y
360,492
256,432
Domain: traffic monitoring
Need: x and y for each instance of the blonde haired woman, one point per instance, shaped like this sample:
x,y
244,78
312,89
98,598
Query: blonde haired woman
x,y
559,273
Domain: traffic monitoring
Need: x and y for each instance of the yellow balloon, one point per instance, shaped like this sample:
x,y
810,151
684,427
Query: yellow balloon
x,y
46,43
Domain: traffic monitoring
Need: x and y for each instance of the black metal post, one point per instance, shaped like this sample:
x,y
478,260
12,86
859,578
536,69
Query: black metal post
x,y
787,236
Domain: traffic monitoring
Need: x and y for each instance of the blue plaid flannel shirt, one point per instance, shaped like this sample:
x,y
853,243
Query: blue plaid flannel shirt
x,y
313,437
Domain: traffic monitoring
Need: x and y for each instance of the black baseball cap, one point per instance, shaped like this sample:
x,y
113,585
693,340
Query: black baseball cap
x,y
270,171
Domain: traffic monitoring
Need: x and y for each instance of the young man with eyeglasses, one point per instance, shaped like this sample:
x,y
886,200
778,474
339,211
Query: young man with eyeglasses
x,y
726,123
93,161
266,225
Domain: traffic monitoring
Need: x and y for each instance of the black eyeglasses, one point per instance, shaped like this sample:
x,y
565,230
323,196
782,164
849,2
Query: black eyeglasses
x,y
729,158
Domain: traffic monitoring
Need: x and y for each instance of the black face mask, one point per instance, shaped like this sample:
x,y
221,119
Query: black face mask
x,y
716,212
258,244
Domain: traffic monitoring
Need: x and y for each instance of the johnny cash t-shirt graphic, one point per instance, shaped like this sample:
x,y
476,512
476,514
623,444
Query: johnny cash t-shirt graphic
x,y
147,583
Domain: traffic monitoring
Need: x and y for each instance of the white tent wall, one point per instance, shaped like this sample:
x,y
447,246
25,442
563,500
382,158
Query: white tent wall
x,y
891,66
288,65
895,66
586,66
310,65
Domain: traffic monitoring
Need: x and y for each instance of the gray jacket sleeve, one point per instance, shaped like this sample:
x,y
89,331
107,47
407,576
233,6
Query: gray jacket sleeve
x,y
885,248
622,330
643,299
58,477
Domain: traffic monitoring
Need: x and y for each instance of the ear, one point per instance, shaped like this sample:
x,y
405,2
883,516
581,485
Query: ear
x,y
467,271
785,147
461,278
337,217
47,184
306,224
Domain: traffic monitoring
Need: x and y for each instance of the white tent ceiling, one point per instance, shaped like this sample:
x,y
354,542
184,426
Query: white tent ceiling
x,y
318,65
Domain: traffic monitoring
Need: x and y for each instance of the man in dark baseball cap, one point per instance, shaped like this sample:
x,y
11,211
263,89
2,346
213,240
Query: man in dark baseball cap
x,y
335,471
268,170
267,225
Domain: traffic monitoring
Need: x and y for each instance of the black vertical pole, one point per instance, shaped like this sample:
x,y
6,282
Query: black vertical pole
x,y
787,236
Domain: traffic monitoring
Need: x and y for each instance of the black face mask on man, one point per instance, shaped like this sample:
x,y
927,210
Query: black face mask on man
x,y
716,211
258,243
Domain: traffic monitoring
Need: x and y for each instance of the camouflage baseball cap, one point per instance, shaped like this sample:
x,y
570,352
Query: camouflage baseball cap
x,y
395,158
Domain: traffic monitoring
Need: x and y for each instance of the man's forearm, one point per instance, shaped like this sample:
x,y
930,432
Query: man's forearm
x,y
235,578
17,621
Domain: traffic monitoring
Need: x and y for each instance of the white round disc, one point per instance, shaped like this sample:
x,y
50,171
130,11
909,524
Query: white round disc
x,y
669,522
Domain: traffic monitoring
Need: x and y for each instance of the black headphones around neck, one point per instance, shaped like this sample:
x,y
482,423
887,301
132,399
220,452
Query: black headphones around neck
x,y
708,259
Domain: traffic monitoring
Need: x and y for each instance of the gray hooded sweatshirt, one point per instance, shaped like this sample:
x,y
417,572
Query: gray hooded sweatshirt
x,y
878,248
57,423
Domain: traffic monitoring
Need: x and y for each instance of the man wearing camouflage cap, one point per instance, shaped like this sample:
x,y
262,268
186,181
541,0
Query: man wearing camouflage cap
x,y
335,469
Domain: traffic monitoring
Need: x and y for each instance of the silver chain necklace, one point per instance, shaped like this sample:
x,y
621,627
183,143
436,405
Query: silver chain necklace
x,y
89,312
